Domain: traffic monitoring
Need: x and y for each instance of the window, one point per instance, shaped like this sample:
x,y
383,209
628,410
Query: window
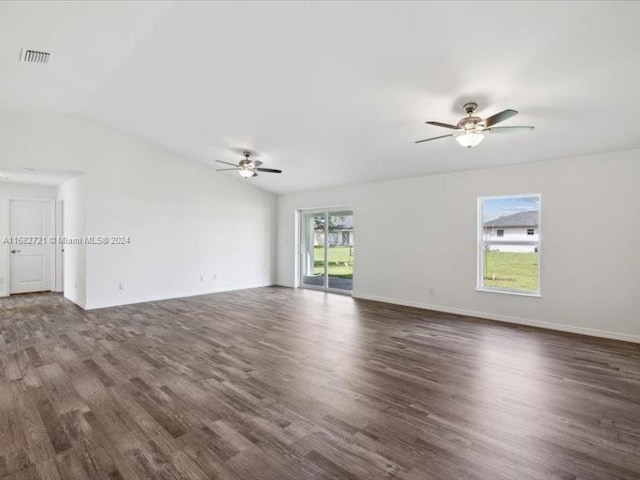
x,y
509,243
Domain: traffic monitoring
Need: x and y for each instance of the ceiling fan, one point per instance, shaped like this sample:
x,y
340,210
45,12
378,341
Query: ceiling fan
x,y
471,130
247,168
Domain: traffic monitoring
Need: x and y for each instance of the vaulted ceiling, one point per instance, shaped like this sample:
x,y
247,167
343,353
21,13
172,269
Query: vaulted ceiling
x,y
333,93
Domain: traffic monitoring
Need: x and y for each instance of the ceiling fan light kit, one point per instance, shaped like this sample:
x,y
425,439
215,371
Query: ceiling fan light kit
x,y
246,173
471,130
470,139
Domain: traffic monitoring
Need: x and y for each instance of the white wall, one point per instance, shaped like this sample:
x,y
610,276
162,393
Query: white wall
x,y
7,192
186,221
590,250
74,195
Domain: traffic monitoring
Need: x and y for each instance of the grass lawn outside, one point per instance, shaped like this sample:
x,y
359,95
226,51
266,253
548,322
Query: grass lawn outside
x,y
513,270
340,261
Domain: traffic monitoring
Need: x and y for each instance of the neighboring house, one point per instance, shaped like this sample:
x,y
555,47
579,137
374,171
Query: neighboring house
x,y
340,233
341,238
516,228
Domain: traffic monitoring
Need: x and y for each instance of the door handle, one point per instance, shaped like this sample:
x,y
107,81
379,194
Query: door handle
x,y
16,251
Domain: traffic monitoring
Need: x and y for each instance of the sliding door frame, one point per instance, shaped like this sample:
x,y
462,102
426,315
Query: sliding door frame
x,y
301,248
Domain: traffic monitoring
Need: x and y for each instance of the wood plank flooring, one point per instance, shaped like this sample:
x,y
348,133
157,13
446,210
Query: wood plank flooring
x,y
282,384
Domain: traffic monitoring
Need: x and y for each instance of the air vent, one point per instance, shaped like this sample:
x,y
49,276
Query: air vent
x,y
34,56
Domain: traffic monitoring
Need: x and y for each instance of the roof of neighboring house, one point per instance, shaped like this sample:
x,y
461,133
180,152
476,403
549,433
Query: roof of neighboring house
x,y
520,219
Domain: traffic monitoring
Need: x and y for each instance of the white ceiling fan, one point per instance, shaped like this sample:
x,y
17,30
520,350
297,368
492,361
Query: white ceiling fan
x,y
247,168
471,130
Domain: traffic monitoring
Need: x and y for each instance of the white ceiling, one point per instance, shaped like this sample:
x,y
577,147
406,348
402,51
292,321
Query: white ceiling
x,y
32,176
334,92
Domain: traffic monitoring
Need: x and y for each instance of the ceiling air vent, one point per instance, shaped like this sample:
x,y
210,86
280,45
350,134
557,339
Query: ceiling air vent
x,y
34,56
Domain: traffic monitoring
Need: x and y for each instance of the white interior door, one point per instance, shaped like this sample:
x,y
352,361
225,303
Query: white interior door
x,y
30,260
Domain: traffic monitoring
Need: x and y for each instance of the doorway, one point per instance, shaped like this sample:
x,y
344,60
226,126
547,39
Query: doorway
x,y
30,223
327,249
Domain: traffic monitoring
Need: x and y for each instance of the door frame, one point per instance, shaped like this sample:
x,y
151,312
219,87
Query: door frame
x,y
59,247
52,231
326,211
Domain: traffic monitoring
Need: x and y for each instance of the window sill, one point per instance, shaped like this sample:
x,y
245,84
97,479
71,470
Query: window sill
x,y
508,292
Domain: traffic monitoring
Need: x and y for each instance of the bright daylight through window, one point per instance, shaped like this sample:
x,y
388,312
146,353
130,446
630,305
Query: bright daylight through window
x,y
509,244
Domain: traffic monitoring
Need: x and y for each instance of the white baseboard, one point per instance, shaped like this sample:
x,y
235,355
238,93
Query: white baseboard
x,y
82,305
157,298
506,318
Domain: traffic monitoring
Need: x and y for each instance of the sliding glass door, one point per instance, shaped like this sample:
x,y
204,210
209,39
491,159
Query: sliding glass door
x,y
326,254
313,258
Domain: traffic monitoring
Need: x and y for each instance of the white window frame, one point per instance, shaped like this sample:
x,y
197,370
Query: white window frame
x,y
481,244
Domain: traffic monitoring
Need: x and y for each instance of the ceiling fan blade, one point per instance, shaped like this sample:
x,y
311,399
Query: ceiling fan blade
x,y
510,129
226,169
444,125
232,164
269,170
433,138
499,117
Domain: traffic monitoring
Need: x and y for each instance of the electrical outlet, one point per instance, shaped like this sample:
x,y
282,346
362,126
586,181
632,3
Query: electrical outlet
x,y
215,276
202,278
120,286
432,291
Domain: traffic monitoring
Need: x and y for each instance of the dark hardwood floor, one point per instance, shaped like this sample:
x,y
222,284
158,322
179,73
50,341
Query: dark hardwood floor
x,y
281,384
